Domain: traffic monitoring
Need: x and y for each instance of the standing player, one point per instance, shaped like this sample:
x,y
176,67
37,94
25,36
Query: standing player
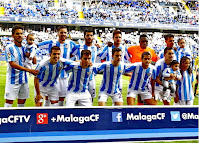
x,y
79,80
46,81
169,40
136,51
161,65
143,74
16,77
106,53
66,47
88,45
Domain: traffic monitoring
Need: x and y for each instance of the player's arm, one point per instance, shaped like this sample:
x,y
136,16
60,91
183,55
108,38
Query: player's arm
x,y
38,97
153,87
16,66
153,78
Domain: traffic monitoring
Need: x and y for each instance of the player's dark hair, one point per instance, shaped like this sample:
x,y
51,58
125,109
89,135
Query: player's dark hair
x,y
116,32
174,62
61,27
143,35
145,54
166,49
54,48
182,61
115,50
90,29
16,27
168,36
85,52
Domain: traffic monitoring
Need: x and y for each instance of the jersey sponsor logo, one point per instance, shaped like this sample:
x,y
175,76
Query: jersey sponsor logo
x,y
117,117
175,115
15,119
78,119
42,118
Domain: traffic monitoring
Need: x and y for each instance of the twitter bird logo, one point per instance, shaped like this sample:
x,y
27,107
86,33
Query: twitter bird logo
x,y
175,115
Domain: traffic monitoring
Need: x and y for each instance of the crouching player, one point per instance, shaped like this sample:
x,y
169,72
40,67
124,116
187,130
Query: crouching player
x,y
79,80
143,74
112,72
46,81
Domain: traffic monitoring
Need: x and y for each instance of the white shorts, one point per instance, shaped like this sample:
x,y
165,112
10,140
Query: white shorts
x,y
51,92
62,86
83,98
102,97
16,91
184,102
143,94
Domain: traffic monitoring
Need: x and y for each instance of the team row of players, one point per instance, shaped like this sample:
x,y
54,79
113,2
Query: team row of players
x,y
48,79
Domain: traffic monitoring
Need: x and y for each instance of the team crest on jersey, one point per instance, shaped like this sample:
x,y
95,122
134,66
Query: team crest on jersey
x,y
9,55
88,72
148,74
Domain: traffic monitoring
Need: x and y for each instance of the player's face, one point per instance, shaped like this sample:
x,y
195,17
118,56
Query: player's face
x,y
186,64
170,42
62,34
146,60
169,55
117,38
117,56
55,56
182,43
85,60
89,37
18,35
143,42
175,67
30,40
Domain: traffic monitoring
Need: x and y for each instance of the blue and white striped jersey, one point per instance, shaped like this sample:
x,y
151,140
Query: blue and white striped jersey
x,y
31,49
66,50
160,67
79,78
161,54
141,77
78,48
181,52
107,53
111,76
49,73
17,55
185,89
168,71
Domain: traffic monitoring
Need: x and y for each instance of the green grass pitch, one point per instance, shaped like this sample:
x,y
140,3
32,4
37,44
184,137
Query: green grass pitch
x,y
30,101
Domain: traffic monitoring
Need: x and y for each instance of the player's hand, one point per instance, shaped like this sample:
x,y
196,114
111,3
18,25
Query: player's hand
x,y
97,45
90,64
38,98
34,72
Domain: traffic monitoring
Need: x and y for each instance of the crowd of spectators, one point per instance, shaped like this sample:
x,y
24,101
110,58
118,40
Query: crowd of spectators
x,y
106,10
139,12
